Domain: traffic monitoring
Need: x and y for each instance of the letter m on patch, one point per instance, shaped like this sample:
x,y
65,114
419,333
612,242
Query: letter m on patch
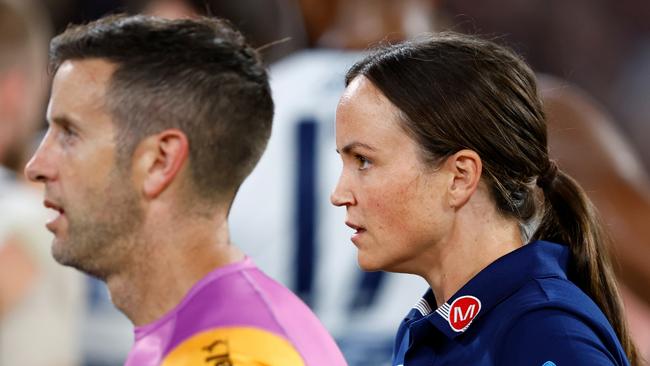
x,y
463,310
460,317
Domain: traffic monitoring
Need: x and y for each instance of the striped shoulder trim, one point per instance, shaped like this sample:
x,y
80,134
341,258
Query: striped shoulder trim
x,y
443,310
423,307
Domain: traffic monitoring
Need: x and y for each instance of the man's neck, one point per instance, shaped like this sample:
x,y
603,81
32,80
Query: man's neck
x,y
167,266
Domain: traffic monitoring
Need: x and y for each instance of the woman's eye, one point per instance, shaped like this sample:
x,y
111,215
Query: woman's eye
x,y
363,162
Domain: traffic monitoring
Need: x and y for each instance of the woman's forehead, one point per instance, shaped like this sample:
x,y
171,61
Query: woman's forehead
x,y
361,99
365,116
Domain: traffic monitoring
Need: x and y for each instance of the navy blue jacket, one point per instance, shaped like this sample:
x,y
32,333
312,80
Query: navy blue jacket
x,y
520,310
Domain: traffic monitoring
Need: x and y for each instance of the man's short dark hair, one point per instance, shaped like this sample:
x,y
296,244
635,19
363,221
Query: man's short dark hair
x,y
196,75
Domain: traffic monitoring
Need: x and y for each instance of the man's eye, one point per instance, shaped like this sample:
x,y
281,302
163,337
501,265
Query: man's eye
x,y
67,133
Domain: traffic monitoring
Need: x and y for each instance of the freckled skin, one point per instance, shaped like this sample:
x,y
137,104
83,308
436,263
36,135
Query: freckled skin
x,y
394,197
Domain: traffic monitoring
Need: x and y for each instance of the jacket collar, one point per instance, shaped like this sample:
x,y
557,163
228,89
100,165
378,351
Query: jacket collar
x,y
491,286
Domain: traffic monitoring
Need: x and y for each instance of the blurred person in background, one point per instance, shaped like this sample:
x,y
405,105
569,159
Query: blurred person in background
x,y
266,24
40,302
170,9
153,125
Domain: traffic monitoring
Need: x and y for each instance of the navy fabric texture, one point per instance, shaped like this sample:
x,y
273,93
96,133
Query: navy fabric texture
x,y
521,309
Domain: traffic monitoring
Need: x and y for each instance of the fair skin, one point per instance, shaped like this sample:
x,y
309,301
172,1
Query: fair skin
x,y
436,222
127,225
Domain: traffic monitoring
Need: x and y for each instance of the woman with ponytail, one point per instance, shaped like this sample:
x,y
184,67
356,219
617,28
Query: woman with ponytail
x,y
446,175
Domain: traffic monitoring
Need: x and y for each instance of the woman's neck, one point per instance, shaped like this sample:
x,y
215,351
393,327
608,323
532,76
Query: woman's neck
x,y
479,236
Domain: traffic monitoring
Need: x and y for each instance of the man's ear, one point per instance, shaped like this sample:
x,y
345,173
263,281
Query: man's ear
x,y
465,167
159,159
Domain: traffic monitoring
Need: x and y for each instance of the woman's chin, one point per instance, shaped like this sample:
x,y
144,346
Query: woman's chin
x,y
369,264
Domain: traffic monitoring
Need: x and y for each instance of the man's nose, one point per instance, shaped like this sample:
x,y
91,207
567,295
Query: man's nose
x,y
40,168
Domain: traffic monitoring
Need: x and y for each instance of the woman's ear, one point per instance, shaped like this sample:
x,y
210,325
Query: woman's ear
x,y
465,167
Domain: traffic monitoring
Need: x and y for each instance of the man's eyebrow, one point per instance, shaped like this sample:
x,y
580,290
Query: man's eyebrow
x,y
63,121
354,145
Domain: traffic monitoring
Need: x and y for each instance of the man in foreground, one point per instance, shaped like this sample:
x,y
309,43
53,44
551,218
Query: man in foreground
x,y
154,124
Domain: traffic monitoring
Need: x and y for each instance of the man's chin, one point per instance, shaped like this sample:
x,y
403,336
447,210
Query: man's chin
x,y
68,258
61,252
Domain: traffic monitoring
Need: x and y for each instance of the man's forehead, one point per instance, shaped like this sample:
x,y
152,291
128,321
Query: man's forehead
x,y
96,71
79,89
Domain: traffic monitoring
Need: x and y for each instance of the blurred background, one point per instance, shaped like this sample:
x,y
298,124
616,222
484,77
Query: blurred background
x,y
593,58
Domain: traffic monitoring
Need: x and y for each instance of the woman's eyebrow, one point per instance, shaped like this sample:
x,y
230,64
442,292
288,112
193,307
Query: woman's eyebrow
x,y
353,145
